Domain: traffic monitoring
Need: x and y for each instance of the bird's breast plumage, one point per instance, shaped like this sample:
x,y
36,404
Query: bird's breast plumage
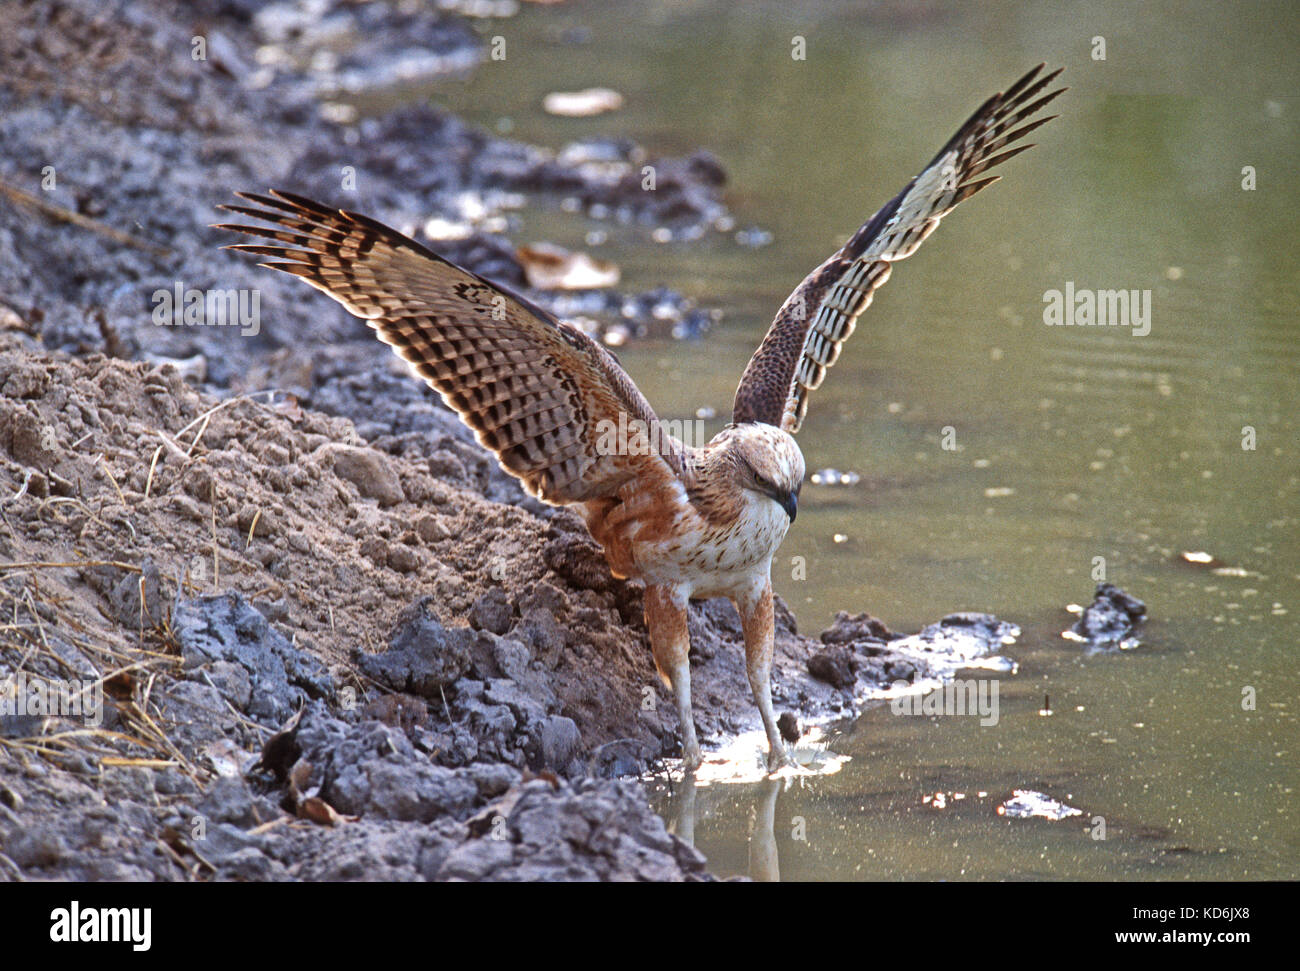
x,y
660,535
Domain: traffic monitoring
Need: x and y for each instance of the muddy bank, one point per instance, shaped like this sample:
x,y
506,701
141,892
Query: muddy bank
x,y
320,634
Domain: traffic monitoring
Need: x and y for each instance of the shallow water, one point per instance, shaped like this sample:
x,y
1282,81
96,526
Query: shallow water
x,y
1072,443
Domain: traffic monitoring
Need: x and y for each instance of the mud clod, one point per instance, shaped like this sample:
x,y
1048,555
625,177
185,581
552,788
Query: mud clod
x,y
423,657
834,666
226,630
1111,618
368,470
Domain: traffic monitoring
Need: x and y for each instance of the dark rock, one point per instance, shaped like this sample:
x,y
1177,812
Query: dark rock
x,y
559,744
543,831
525,708
221,841
1110,618
833,666
898,670
250,865
233,682
476,860
122,589
227,628
492,780
423,657
618,759
194,714
856,628
538,629
400,789
492,612
229,800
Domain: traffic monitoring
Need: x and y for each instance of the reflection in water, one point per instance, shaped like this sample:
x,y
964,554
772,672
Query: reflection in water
x,y
740,767
764,864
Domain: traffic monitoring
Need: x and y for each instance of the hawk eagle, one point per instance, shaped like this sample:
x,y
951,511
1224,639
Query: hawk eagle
x,y
687,521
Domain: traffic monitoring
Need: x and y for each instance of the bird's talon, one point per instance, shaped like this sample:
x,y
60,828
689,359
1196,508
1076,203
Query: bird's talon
x,y
779,759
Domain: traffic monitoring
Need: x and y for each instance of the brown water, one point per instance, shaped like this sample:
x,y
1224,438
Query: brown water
x,y
1072,443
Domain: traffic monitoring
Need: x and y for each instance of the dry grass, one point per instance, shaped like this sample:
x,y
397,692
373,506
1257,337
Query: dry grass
x,y
123,671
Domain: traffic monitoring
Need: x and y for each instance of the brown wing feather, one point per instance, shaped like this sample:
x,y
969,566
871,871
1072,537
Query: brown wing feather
x,y
810,328
535,391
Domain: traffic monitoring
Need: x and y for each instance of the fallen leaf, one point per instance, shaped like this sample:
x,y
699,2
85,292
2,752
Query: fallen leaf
x,y
580,104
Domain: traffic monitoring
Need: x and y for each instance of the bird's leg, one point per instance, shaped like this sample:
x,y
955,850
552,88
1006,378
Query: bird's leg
x,y
665,617
756,617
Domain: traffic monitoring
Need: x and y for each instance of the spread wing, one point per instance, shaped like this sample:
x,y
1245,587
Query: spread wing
x,y
815,321
537,392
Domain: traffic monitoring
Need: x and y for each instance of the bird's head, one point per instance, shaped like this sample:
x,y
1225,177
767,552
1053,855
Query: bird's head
x,y
767,461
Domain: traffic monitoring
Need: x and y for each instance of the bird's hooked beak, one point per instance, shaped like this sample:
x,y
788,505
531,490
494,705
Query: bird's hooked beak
x,y
789,501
